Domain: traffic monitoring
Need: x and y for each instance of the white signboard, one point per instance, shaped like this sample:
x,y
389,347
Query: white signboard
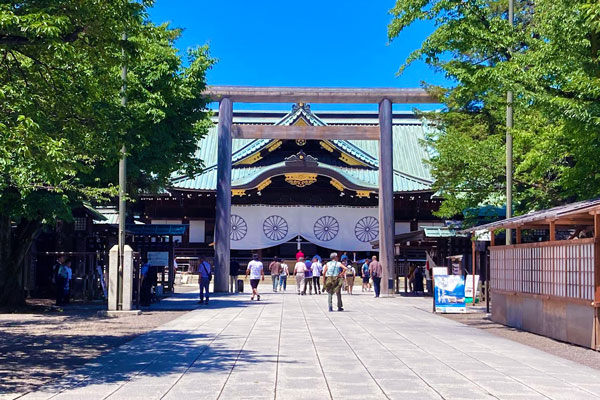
x,y
469,285
158,258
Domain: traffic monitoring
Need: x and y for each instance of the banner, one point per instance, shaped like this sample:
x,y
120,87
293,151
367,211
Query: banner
x,y
340,228
449,293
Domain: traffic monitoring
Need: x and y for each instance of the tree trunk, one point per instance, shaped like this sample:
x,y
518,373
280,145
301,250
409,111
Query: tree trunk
x,y
14,245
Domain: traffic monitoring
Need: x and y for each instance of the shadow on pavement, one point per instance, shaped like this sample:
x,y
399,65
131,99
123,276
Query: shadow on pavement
x,y
43,347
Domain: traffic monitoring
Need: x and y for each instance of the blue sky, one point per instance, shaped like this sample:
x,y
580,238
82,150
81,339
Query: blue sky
x,y
302,43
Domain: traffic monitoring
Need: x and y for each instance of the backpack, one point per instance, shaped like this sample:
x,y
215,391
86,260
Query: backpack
x,y
62,272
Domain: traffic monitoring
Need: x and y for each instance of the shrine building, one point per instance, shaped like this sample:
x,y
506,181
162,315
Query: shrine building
x,y
319,195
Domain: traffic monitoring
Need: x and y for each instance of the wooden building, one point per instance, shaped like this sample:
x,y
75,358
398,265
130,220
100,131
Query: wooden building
x,y
550,287
339,178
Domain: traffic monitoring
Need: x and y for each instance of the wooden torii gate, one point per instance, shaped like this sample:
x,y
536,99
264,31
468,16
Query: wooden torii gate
x,y
227,95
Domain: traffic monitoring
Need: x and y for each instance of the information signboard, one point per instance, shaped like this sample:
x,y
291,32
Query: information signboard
x,y
158,258
449,293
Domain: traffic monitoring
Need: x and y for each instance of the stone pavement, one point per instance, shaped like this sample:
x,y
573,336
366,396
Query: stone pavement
x,y
290,347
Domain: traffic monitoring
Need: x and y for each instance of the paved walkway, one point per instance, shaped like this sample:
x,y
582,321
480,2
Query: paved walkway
x,y
289,347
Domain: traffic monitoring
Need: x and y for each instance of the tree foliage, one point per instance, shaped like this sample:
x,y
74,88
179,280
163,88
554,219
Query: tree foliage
x,y
61,122
549,59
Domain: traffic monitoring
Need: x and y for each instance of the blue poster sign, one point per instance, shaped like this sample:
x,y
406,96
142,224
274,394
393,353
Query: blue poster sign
x,y
449,293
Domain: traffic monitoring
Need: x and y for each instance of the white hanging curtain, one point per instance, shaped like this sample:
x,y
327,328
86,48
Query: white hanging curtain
x,y
342,228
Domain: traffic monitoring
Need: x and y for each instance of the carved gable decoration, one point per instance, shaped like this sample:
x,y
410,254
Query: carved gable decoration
x,y
301,160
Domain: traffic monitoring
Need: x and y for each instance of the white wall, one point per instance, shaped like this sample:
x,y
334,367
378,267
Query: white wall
x,y
401,227
197,231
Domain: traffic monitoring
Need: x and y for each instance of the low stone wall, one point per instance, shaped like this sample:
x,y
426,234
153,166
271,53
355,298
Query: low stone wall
x,y
565,320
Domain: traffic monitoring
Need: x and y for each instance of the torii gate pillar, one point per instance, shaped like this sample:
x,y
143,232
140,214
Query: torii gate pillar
x,y
223,206
386,196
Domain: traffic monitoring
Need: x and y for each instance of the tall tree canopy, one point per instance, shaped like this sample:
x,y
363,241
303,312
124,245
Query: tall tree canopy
x,y
61,121
549,59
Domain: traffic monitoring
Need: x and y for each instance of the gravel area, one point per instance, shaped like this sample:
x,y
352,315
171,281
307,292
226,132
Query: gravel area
x,y
569,351
42,342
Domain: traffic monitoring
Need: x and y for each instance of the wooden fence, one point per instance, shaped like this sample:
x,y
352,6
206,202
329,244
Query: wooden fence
x,y
558,268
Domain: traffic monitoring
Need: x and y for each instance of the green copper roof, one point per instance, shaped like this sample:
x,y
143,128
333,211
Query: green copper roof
x,y
411,172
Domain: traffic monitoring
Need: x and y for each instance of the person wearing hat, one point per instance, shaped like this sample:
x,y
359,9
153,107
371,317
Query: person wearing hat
x,y
334,271
299,272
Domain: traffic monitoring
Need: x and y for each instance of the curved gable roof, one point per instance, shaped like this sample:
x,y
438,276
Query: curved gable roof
x,y
411,172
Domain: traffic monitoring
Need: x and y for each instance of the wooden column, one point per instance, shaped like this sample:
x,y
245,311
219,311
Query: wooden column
x,y
519,233
386,194
223,207
596,344
552,231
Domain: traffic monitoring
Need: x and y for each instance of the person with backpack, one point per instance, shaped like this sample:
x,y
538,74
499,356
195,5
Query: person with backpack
x,y
366,285
285,271
204,278
308,277
334,272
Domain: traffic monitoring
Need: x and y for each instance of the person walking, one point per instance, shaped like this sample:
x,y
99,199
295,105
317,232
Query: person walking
x,y
204,278
299,270
334,272
275,268
146,286
299,255
57,280
285,271
308,281
68,276
317,270
257,273
234,270
376,272
350,275
366,285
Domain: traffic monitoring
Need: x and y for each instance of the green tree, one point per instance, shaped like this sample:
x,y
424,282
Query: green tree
x,y
549,60
61,123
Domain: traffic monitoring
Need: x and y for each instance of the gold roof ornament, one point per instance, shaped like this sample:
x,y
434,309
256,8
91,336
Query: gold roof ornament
x,y
337,184
363,193
263,184
300,179
274,146
326,146
350,160
238,192
251,159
